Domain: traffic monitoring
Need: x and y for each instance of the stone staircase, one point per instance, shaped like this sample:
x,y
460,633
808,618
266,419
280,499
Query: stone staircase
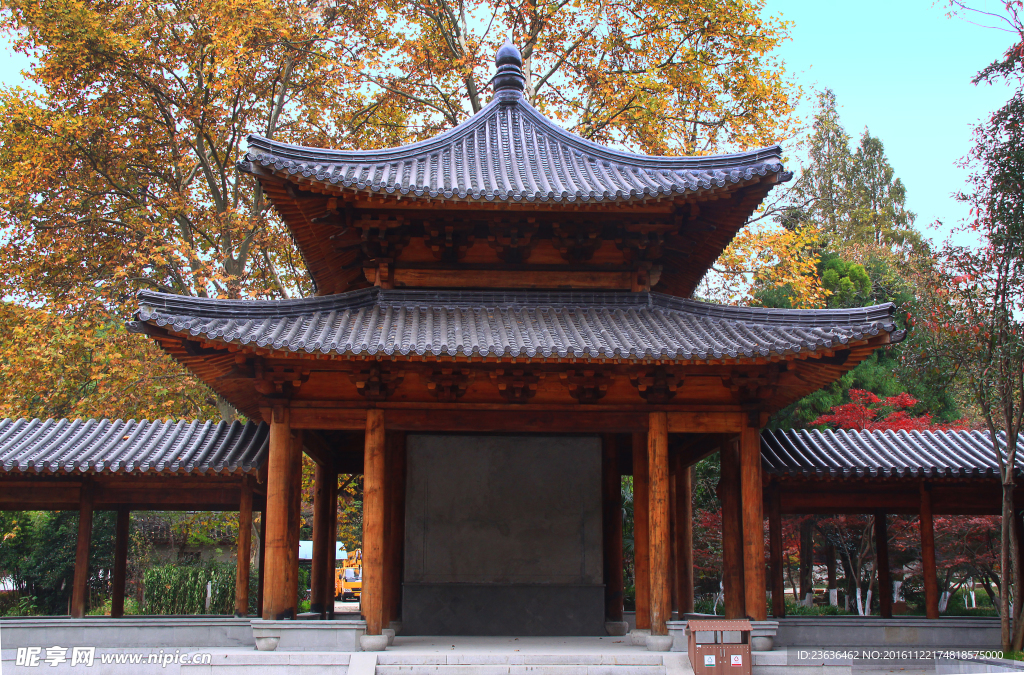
x,y
521,664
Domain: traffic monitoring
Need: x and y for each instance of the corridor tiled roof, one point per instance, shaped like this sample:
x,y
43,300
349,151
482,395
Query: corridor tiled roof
x,y
116,446
509,151
579,324
866,454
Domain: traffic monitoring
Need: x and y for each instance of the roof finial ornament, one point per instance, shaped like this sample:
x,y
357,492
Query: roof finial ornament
x,y
509,76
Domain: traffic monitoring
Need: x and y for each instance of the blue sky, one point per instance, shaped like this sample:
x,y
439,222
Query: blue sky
x,y
899,67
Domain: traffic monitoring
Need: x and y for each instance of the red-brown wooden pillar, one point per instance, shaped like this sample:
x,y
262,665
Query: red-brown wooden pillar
x,y
753,523
658,516
284,474
243,554
684,539
319,591
611,487
641,546
332,538
775,551
121,531
394,534
931,585
372,596
732,529
882,563
79,587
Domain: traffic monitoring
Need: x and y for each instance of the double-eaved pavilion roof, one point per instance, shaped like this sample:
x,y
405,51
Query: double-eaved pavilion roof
x,y
506,159
535,324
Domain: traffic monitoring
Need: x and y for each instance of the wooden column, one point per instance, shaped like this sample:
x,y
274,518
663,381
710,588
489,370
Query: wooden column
x,y
319,591
79,588
931,585
775,552
684,539
394,535
611,487
882,563
332,551
372,597
121,532
641,547
806,559
284,471
262,560
753,523
732,532
658,523
243,554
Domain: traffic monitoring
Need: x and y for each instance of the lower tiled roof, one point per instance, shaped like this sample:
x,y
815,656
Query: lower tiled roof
x,y
902,454
116,446
578,324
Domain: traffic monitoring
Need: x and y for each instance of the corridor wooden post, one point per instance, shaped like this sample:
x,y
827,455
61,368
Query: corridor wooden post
x,y
884,574
660,561
372,597
752,501
775,552
641,547
321,535
806,559
931,586
684,538
611,521
79,584
284,466
262,562
732,532
121,532
394,536
332,537
243,553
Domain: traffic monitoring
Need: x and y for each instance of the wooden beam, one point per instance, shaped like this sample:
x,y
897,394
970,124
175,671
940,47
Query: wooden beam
x,y
775,553
931,585
684,539
284,465
319,591
243,552
121,532
641,533
611,488
882,558
658,518
732,529
752,501
706,422
372,596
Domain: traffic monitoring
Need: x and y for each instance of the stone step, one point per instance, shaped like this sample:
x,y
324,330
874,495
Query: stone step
x,y
507,669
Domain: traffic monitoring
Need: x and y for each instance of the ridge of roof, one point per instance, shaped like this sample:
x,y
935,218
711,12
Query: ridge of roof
x,y
213,308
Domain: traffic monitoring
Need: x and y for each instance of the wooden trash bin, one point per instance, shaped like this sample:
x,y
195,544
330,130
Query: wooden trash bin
x,y
719,646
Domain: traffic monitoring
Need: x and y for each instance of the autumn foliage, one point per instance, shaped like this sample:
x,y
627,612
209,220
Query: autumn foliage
x,y
868,412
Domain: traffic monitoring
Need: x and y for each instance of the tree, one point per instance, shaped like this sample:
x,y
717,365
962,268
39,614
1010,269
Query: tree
x,y
118,171
867,412
977,315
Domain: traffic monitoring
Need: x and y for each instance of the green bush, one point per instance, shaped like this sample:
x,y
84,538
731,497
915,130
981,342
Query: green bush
x,y
181,589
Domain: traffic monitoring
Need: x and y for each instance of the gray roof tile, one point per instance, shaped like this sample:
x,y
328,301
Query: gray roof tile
x,y
865,454
603,324
510,152
116,446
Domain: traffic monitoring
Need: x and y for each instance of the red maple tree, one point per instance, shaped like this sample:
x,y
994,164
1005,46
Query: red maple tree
x,y
868,412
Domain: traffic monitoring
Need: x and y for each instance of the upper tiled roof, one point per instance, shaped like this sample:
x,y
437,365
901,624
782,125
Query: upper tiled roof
x,y
861,454
509,151
601,324
116,446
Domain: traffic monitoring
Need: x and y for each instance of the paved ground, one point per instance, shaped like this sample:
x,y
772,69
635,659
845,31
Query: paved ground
x,y
510,645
